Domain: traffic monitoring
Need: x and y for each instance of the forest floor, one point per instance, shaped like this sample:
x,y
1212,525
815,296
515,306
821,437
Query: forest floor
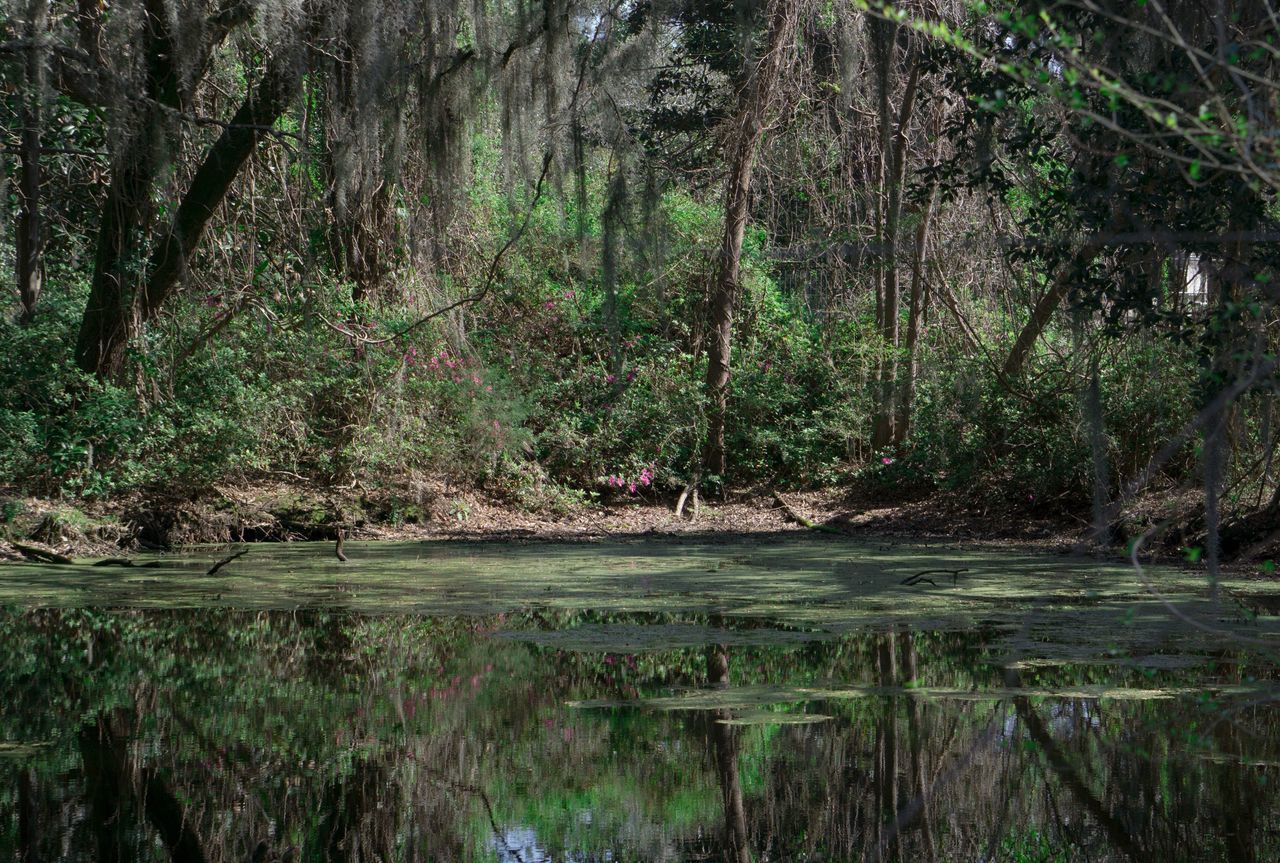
x,y
284,512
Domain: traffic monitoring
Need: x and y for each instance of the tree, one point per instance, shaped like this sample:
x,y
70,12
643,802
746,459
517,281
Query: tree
x,y
744,136
129,286
893,166
31,234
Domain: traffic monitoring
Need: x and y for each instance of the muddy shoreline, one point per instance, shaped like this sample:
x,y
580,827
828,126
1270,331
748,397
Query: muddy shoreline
x,y
286,512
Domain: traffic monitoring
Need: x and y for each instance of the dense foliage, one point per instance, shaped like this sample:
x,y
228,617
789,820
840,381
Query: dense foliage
x,y
1006,247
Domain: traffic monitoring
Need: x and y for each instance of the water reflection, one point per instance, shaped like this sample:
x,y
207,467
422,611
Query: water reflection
x,y
274,736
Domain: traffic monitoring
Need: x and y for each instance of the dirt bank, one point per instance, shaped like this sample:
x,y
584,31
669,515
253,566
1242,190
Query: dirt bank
x,y
283,512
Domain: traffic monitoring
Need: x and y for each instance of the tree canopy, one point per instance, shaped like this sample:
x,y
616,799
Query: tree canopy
x,y
1021,248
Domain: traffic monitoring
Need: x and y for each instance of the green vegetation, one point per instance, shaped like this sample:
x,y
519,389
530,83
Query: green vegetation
x,y
606,251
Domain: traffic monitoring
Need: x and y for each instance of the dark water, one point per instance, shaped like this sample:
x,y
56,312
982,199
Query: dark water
x,y
236,735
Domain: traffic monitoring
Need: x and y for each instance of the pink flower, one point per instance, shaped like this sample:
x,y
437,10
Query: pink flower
x,y
631,487
886,460
609,379
549,304
569,295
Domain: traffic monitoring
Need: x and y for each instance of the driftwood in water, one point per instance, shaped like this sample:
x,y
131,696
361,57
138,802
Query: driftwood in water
x,y
220,564
799,519
39,554
920,576
126,562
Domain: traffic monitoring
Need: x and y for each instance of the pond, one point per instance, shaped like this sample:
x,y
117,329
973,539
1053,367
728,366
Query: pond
x,y
763,699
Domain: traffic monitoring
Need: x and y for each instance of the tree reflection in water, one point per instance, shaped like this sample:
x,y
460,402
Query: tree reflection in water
x,y
272,736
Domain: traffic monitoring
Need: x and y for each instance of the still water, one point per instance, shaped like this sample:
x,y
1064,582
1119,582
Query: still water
x,y
635,702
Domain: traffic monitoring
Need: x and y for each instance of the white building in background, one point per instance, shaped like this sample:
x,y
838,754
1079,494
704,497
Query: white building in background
x,y
1195,288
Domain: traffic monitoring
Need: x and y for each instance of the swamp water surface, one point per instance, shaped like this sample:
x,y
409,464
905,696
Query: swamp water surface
x,y
768,700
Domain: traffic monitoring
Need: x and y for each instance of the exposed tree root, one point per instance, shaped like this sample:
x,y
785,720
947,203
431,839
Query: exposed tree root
x,y
690,494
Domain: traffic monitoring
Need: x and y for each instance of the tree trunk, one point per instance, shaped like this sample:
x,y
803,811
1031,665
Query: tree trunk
x,y
1044,309
1103,531
258,113
30,239
748,129
611,221
114,313
914,323
894,161
108,319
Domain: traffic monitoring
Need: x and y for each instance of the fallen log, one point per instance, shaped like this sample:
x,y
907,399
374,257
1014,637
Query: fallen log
x,y
801,520
39,554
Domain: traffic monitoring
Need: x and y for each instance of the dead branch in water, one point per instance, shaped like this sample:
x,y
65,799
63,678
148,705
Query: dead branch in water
x,y
920,576
220,564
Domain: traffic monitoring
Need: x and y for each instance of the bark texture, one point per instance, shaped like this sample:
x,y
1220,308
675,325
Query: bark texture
x,y
129,286
748,129
30,238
